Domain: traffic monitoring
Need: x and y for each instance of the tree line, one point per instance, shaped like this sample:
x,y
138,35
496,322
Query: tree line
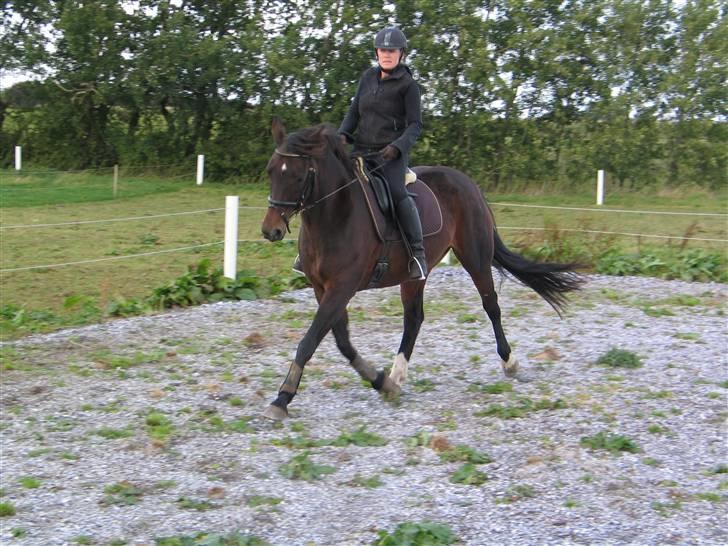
x,y
515,92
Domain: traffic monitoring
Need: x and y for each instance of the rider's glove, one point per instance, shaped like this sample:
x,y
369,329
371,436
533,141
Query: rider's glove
x,y
390,152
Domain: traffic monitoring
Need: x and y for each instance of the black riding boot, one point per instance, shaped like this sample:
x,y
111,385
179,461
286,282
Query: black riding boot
x,y
410,220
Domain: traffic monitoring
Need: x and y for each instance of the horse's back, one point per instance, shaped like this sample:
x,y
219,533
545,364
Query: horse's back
x,y
450,185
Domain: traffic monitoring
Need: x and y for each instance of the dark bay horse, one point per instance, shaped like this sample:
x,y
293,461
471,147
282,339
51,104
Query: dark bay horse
x,y
311,173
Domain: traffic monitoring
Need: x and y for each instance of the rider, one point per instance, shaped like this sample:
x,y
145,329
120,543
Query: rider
x,y
385,116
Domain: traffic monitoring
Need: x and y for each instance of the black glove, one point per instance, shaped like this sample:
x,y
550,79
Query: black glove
x,y
390,152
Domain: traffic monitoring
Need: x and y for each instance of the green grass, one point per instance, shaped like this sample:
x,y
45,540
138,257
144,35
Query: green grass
x,y
57,297
619,358
614,443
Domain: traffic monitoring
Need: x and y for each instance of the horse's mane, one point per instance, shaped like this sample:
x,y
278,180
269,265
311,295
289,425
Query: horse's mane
x,y
318,141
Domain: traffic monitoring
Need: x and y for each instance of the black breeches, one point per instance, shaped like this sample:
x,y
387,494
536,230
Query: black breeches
x,y
394,172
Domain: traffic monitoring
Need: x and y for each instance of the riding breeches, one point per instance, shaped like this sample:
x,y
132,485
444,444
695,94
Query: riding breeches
x,y
394,172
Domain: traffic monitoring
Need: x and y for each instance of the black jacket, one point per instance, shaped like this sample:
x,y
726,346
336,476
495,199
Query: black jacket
x,y
384,111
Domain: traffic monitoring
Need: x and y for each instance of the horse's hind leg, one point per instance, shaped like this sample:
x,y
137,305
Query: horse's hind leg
x,y
414,314
476,262
379,380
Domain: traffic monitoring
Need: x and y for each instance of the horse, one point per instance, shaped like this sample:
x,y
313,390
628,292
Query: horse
x,y
311,173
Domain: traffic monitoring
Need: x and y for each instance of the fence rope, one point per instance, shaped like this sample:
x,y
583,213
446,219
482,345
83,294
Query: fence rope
x,y
97,260
509,228
129,218
720,214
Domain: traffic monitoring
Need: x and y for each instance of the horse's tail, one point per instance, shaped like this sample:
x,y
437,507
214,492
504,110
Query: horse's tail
x,y
550,280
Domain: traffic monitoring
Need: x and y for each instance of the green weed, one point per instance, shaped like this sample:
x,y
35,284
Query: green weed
x,y
301,467
30,482
258,500
465,453
210,539
614,443
122,494
186,503
468,474
7,509
619,358
113,433
425,533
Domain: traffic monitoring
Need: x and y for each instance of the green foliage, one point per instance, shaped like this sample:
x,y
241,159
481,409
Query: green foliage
x,y
203,284
122,494
692,265
7,509
159,426
30,482
425,533
113,433
516,493
468,474
258,500
211,539
301,467
465,453
614,443
525,405
619,358
360,437
186,503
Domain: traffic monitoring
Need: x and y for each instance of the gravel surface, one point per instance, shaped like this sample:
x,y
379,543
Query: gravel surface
x,y
216,467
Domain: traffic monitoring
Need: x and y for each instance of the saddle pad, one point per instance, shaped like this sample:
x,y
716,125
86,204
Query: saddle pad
x,y
427,206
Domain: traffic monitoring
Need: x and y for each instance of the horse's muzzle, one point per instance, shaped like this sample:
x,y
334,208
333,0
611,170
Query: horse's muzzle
x,y
273,235
273,227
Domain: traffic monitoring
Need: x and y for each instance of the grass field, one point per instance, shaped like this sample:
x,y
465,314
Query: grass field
x,y
36,199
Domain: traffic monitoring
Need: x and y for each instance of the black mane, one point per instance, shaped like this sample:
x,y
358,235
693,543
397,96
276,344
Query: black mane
x,y
318,141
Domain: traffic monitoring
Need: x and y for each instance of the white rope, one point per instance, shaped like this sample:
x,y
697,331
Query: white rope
x,y
108,259
612,233
130,218
612,210
97,260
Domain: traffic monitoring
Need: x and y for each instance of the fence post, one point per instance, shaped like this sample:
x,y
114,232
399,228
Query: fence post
x,y
600,187
116,180
18,157
231,236
200,169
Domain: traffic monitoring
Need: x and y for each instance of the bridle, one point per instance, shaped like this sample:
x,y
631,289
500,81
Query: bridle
x,y
308,185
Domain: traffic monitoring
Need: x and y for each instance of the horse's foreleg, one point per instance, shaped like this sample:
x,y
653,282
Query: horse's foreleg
x,y
414,314
379,380
331,307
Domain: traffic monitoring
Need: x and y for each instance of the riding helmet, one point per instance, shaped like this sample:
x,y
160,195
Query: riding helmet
x,y
390,38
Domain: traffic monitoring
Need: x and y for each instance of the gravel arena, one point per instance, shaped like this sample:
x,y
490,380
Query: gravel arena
x,y
140,429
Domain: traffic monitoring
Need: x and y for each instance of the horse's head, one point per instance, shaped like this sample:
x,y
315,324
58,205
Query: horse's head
x,y
293,170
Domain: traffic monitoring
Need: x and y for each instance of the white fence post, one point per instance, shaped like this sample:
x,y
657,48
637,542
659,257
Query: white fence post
x,y
18,157
231,236
600,187
200,169
116,180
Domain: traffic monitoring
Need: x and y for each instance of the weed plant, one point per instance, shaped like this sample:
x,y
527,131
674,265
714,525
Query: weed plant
x,y
425,533
619,358
614,443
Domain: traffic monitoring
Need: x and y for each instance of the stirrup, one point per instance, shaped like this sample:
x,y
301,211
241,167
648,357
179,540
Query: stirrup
x,y
418,272
297,267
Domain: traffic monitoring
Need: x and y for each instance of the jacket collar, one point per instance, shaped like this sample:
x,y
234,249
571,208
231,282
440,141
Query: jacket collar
x,y
397,73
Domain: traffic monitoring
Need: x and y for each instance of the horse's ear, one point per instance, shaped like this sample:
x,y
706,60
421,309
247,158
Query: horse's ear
x,y
279,131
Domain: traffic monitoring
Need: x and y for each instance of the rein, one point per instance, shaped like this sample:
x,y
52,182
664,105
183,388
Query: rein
x,y
308,184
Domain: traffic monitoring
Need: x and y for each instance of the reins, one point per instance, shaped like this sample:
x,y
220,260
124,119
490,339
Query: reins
x,y
308,184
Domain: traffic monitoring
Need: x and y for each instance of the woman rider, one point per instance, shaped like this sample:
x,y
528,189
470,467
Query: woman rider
x,y
385,115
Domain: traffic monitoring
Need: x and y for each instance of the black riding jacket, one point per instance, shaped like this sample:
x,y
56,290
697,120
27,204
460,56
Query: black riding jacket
x,y
384,111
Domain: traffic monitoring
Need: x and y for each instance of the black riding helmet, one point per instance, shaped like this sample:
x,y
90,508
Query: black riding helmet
x,y
390,38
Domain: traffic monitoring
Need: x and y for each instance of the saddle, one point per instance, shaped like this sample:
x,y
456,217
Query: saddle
x,y
381,210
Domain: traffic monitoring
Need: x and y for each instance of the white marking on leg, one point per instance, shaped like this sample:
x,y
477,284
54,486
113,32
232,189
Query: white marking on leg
x,y
510,368
399,370
284,168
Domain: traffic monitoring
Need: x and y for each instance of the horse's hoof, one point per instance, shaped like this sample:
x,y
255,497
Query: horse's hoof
x,y
275,413
510,368
389,387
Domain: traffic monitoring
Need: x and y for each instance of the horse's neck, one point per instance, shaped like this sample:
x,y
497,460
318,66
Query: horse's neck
x,y
336,213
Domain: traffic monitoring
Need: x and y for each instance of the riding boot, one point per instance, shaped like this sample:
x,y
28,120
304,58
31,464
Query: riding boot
x,y
409,218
